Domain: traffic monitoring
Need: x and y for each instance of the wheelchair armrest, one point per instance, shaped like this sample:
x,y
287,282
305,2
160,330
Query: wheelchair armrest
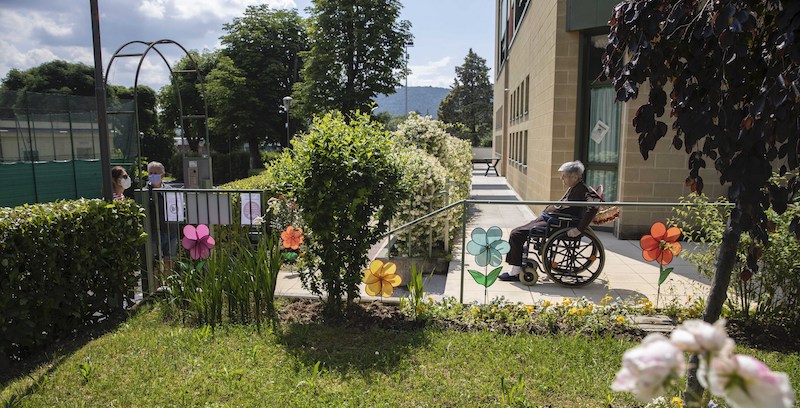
x,y
564,220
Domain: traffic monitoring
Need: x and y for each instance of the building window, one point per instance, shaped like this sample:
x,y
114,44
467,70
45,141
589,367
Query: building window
x,y
525,148
527,93
519,9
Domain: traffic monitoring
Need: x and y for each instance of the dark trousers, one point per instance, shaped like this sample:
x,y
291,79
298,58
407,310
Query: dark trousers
x,y
517,239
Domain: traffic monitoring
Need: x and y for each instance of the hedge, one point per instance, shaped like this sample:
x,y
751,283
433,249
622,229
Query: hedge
x,y
64,265
455,157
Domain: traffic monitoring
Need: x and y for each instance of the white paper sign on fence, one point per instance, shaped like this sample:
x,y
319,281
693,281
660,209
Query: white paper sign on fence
x,y
173,206
251,207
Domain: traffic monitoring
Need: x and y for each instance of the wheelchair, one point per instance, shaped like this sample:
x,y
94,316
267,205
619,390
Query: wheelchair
x,y
569,262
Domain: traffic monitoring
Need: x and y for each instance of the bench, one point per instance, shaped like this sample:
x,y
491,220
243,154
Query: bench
x,y
491,164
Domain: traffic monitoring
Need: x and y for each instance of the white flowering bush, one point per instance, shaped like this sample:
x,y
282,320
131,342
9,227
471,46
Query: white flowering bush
x,y
423,177
743,381
455,159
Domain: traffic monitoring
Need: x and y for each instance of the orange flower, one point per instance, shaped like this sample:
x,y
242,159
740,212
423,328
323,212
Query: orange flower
x,y
381,278
662,243
292,238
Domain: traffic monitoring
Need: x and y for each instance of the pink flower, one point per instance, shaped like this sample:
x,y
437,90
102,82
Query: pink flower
x,y
745,381
647,368
697,336
197,241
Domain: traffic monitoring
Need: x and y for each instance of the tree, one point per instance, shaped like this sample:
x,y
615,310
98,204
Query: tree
x,y
260,63
356,53
733,67
469,102
54,77
192,99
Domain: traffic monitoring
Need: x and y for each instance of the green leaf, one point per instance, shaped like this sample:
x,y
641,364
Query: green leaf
x,y
479,277
492,276
664,274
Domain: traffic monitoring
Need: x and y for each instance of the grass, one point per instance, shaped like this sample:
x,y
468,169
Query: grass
x,y
147,362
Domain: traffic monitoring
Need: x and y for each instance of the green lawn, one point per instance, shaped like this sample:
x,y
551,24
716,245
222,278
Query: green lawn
x,y
147,362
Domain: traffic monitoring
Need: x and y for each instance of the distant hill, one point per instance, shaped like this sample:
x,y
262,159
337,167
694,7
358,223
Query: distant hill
x,y
422,99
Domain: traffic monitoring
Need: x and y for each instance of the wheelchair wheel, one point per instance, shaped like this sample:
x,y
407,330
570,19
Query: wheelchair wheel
x,y
573,262
530,273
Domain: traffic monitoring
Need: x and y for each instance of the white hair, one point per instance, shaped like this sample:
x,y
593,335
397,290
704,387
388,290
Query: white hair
x,y
155,165
573,168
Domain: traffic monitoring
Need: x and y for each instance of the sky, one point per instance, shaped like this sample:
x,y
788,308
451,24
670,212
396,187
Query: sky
x,y
38,31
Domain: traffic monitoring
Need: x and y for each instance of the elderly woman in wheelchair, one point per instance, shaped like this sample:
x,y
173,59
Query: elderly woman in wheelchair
x,y
560,240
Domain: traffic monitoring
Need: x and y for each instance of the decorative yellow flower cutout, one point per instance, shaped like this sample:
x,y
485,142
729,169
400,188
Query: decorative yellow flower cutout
x,y
380,278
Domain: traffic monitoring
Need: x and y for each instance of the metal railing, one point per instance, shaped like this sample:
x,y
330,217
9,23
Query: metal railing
x,y
464,219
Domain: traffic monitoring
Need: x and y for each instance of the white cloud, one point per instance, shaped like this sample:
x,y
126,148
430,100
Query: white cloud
x,y
438,73
23,24
204,10
153,8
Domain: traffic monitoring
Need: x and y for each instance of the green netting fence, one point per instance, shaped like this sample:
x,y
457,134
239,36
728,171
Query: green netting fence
x,y
50,146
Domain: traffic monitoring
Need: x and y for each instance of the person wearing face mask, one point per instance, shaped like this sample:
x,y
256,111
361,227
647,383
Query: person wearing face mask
x,y
119,182
161,230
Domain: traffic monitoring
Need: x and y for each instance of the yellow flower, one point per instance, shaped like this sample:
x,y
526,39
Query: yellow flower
x,y
573,310
546,303
381,279
566,302
605,300
676,402
474,310
529,309
620,319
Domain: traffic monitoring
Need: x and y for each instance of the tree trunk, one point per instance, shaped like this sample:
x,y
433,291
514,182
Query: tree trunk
x,y
716,299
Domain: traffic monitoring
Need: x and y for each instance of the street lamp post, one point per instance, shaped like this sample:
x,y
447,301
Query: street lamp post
x,y
287,103
408,43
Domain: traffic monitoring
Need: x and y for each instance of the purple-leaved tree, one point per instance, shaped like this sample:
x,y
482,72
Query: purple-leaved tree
x,y
730,72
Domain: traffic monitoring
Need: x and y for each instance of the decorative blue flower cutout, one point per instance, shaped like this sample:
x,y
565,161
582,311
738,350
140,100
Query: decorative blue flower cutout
x,y
488,246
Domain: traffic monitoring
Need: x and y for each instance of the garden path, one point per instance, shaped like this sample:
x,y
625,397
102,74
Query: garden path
x,y
625,274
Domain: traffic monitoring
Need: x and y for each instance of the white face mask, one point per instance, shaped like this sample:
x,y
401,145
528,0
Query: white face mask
x,y
126,183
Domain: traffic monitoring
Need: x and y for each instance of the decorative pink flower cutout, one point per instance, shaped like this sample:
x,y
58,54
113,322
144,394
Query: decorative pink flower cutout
x,y
198,241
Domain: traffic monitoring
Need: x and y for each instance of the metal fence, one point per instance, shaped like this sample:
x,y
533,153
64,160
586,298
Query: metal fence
x,y
50,146
168,210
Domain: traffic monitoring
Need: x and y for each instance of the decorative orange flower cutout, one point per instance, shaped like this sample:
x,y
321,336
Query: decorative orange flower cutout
x,y
381,279
292,237
662,243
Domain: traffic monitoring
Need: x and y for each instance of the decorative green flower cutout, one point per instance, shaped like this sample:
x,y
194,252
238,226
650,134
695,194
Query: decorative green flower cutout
x,y
488,246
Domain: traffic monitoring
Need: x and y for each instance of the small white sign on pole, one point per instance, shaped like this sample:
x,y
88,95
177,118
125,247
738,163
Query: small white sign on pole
x,y
173,206
251,207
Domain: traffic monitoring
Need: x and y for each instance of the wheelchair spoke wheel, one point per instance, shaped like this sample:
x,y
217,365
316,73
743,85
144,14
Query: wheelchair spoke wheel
x,y
573,262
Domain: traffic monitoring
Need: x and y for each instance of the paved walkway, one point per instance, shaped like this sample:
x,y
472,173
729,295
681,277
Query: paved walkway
x,y
625,274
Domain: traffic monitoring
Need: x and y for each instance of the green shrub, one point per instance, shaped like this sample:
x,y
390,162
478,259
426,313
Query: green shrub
x,y
424,178
60,264
269,156
770,293
347,181
454,155
261,181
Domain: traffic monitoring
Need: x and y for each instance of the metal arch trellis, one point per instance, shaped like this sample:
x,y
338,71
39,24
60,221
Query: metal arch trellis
x,y
172,74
